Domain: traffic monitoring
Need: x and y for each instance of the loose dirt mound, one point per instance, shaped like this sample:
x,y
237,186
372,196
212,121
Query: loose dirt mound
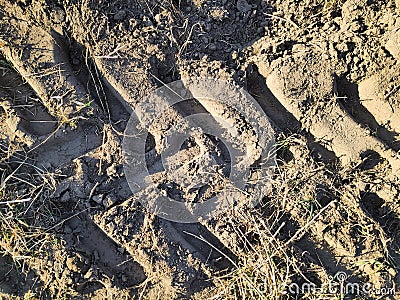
x,y
325,73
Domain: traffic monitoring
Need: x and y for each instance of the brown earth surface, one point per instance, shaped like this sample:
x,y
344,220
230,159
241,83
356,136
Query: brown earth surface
x,y
325,73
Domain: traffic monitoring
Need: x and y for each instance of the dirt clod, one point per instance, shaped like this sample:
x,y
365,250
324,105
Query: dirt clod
x,y
325,73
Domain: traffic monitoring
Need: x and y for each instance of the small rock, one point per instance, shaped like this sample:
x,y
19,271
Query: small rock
x,y
121,250
120,15
333,53
124,278
326,26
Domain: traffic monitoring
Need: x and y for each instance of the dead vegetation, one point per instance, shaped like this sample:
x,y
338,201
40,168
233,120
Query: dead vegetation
x,y
69,227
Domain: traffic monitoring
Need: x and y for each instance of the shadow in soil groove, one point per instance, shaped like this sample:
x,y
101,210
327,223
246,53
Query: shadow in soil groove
x,y
93,251
283,120
349,98
17,282
389,220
